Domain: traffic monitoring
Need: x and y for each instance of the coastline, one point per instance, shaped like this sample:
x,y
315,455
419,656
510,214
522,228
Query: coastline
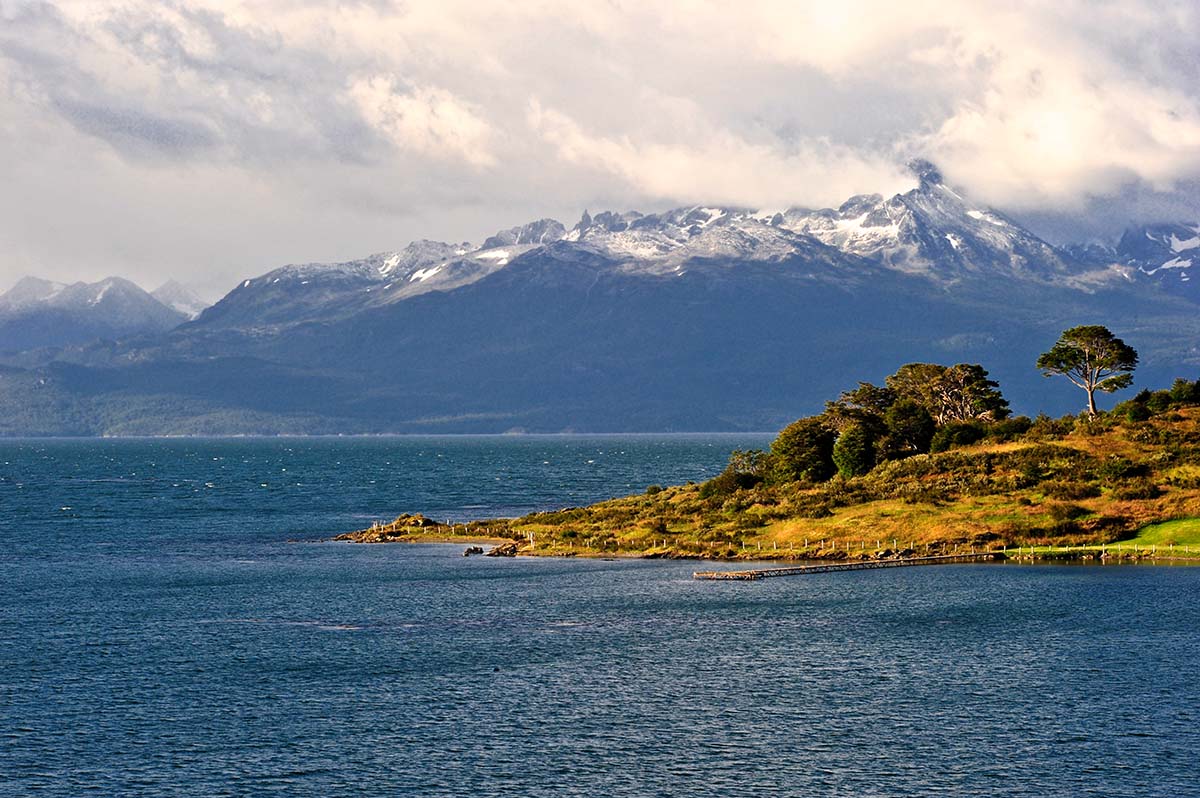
x,y
408,529
1103,490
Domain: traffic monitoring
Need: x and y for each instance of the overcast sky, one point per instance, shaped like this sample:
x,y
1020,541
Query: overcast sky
x,y
213,140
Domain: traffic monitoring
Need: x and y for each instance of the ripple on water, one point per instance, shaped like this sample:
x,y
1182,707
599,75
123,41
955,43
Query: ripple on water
x,y
176,645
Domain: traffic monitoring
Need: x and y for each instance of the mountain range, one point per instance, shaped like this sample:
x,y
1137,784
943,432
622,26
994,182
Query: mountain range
x,y
699,318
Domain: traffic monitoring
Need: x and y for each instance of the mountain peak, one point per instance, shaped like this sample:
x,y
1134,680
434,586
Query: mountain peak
x,y
175,294
543,231
926,172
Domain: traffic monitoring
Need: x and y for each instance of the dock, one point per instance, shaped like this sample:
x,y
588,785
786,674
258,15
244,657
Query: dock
x,y
857,565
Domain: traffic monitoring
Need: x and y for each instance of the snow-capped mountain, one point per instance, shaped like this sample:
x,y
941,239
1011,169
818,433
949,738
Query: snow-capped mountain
x,y
176,295
1165,252
696,318
37,313
932,232
1161,254
315,291
935,232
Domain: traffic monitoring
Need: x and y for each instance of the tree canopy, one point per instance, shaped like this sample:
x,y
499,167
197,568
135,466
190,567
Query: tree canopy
x,y
957,393
1091,357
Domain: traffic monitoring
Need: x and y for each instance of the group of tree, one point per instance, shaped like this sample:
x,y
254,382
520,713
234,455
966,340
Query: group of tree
x,y
873,423
928,407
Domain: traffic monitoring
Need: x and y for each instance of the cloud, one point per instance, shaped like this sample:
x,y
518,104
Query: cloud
x,y
427,120
717,166
359,125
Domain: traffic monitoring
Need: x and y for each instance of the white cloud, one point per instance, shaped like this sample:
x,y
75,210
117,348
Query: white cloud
x,y
450,118
427,120
712,165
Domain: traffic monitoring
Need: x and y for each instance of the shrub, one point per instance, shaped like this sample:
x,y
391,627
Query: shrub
x,y
1136,411
1063,489
1158,401
1116,468
727,483
1136,490
960,434
1010,429
653,489
1185,393
1066,512
1045,427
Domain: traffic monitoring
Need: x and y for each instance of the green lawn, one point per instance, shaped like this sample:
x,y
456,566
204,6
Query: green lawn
x,y
1178,539
1183,532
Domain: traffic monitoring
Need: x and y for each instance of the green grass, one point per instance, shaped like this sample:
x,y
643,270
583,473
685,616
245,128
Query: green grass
x,y
1182,532
1178,539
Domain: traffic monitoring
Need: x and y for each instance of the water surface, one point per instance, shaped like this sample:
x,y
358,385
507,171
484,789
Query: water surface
x,y
159,636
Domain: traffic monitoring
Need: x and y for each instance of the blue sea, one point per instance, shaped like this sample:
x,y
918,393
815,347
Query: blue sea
x,y
171,626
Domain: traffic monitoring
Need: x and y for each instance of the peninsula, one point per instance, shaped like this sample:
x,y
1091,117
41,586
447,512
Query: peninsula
x,y
928,464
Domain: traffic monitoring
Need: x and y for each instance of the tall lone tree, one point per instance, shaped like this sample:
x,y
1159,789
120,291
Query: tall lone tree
x,y
1091,357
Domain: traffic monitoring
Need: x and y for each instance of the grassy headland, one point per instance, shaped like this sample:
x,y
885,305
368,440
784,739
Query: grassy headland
x,y
1125,483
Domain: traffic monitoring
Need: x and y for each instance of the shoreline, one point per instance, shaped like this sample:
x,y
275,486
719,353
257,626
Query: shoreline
x,y
1117,553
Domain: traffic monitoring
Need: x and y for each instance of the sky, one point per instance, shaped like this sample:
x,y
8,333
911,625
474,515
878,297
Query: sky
x,y
213,140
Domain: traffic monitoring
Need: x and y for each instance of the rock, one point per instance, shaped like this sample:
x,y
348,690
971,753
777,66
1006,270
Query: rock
x,y
503,550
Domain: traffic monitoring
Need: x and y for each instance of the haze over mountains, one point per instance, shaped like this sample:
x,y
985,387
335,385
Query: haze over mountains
x,y
700,318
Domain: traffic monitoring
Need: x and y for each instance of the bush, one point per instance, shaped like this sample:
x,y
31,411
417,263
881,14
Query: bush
x,y
854,452
1136,490
727,483
1185,393
1158,402
1063,489
653,489
1066,512
1134,411
960,434
1117,468
1010,429
1045,427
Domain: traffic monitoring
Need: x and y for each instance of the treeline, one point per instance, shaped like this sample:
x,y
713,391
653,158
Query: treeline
x,y
922,408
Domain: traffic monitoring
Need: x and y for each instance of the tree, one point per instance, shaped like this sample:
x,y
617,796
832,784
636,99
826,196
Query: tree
x,y
864,406
910,429
1091,357
854,452
803,450
957,393
968,395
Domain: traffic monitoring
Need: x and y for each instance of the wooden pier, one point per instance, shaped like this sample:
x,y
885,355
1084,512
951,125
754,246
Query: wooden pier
x,y
856,565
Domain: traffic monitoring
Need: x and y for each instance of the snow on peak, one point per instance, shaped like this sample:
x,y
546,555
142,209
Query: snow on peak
x,y
500,256
421,275
543,231
1182,245
1174,263
104,289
